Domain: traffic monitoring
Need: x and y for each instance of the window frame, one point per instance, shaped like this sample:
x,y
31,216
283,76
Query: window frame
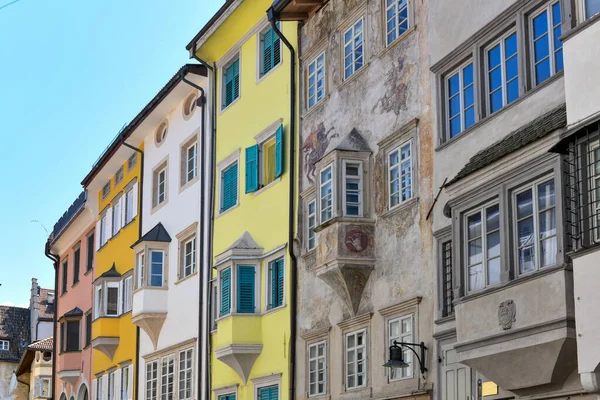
x,y
361,192
164,377
179,371
307,75
4,345
408,355
261,74
125,391
117,215
65,276
111,285
159,172
325,359
90,242
500,41
351,27
153,381
234,57
131,161
221,209
67,336
398,149
269,283
550,25
332,182
127,294
76,263
184,254
409,21
459,70
128,199
311,229
110,395
88,328
365,348
148,271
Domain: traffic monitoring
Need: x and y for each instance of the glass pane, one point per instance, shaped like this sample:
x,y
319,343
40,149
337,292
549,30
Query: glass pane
x,y
351,341
540,25
469,117
547,224
558,59
526,259
454,106
592,7
510,45
512,68
474,225
494,271
494,56
546,195
541,48
548,249
542,71
352,169
495,78
468,96
475,253
394,158
525,232
493,218
313,353
455,126
453,85
467,75
326,175
476,277
524,204
512,92
496,101
493,244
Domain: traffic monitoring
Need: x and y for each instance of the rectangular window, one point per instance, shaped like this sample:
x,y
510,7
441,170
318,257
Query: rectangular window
x,y
189,257
167,377
72,336
268,393
4,345
103,229
105,190
401,330
315,81
460,100
268,157
353,48
151,380
245,292
125,383
276,283
502,68
129,206
397,17
111,386
356,359
326,193
546,47
127,294
99,389
131,161
156,268
594,171
186,371
116,217
90,252
88,329
161,186
119,176
229,187
225,292
231,76
65,275
317,369
191,163
447,289
76,259
311,223
63,341
400,175
535,216
230,396
353,188
140,270
112,299
41,388
270,51
592,7
483,247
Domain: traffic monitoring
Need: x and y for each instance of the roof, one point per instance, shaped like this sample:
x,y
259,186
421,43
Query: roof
x,y
353,141
28,356
14,327
156,234
46,310
111,273
69,215
210,23
139,118
42,345
76,312
245,242
527,134
292,10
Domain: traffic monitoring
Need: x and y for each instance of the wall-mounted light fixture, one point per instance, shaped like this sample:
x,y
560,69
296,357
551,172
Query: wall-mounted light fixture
x,y
397,355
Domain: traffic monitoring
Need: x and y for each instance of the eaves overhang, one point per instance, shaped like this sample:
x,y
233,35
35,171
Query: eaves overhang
x,y
296,10
212,24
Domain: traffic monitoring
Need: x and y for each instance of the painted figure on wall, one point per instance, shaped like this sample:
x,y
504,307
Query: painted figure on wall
x,y
314,148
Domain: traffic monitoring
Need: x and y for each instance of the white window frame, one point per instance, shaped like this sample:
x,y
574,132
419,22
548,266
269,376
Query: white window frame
x,y
484,238
110,395
461,89
316,360
116,215
129,201
99,395
315,74
38,390
149,268
594,188
551,24
583,11
191,240
311,235
106,190
104,229
189,355
397,18
152,367
500,41
360,187
391,167
355,349
125,389
161,171
164,395
194,169
4,345
140,266
352,28
403,373
111,285
127,294
321,197
98,301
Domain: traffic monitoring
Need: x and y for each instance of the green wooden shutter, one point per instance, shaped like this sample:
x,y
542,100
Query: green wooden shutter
x,y
279,152
252,169
273,284
245,289
232,83
280,282
229,190
236,79
225,292
268,393
267,51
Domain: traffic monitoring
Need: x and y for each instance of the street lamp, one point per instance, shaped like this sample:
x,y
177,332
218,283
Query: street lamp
x,y
397,355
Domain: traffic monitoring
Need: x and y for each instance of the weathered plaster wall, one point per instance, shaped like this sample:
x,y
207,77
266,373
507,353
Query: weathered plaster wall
x,y
6,371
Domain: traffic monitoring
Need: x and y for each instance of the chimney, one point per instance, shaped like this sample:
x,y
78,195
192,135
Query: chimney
x,y
34,308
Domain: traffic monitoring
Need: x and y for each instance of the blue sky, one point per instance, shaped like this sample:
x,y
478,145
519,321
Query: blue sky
x,y
72,73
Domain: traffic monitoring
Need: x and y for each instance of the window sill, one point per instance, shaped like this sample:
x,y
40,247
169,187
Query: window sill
x,y
86,273
236,314
190,276
229,209
320,396
400,207
150,288
366,389
443,320
223,109
128,223
159,206
353,77
491,117
75,284
308,253
274,310
259,79
186,185
399,39
264,188
343,219
318,106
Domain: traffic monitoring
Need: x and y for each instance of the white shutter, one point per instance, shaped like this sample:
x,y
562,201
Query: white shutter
x,y
109,213
105,387
117,377
37,387
134,195
120,299
456,377
94,389
97,235
130,372
123,202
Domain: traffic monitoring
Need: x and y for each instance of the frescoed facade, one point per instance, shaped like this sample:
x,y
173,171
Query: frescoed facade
x,y
251,297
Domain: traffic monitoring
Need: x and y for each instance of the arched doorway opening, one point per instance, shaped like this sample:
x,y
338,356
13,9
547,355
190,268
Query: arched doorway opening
x,y
83,393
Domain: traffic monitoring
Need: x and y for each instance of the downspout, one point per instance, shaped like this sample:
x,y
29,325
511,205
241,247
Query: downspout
x,y
273,17
140,208
56,261
204,383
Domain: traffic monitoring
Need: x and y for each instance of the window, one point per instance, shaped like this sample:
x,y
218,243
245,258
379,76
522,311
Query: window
x,y
594,199
63,333
356,359
276,283
111,386
268,393
127,294
397,17
104,228
264,161
72,335
42,388
76,259
130,206
99,390
326,193
4,345
246,291
186,370
268,154
112,299
151,380
156,268
90,252
535,217
401,330
315,81
400,175
160,185
502,72
352,188
88,329
317,369
592,7
116,216
483,247
547,51
105,190
229,187
191,163
65,274
460,100
99,302
131,161
311,223
140,270
167,378
214,307
270,51
126,383
353,49
189,257
230,396
225,292
119,176
161,132
231,88
189,105
446,279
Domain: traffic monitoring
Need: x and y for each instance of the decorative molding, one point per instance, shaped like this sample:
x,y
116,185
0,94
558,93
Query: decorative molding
x,y
356,322
399,134
171,349
309,192
443,232
507,310
268,132
268,380
400,308
151,323
189,231
315,334
225,390
230,159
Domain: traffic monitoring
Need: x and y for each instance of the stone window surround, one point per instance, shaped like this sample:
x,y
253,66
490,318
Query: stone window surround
x,y
189,233
515,17
265,381
103,283
159,167
360,11
185,145
191,97
159,129
352,325
310,338
145,248
441,236
259,35
308,196
412,15
230,389
502,188
222,165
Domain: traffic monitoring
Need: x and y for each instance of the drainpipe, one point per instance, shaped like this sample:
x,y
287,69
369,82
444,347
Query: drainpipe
x,y
204,383
273,18
56,261
140,208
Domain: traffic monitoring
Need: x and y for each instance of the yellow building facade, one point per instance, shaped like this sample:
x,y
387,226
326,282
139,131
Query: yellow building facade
x,y
250,296
113,184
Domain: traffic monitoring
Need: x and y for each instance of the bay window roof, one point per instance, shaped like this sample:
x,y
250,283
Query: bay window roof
x,y
156,234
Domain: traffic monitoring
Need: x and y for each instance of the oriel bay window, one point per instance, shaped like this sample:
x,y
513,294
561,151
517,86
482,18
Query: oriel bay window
x,y
112,294
151,258
483,247
238,285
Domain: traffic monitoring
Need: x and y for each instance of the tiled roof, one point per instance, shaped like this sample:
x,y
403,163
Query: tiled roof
x,y
76,312
46,311
527,134
68,215
156,234
14,327
111,273
42,345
